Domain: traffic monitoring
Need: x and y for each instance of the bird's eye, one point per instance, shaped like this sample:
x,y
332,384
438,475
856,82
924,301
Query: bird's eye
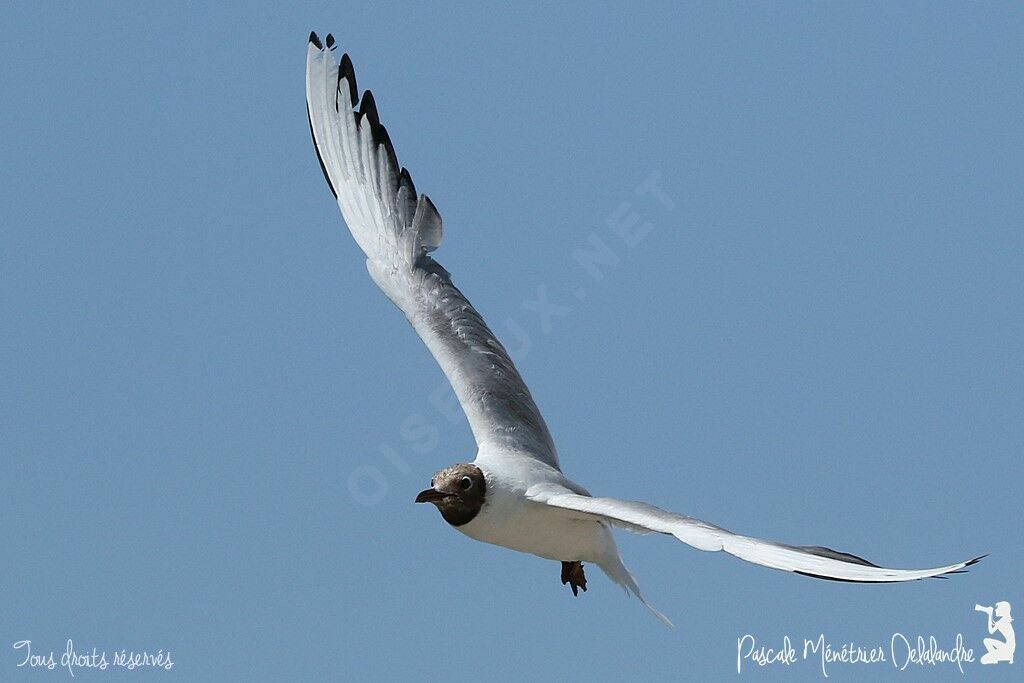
x,y
465,483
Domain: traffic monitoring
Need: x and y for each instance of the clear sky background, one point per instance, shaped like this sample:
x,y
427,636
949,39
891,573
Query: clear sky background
x,y
212,424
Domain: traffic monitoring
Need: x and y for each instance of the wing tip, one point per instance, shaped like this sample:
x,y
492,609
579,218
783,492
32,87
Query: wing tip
x,y
959,569
963,569
348,72
368,109
315,40
979,558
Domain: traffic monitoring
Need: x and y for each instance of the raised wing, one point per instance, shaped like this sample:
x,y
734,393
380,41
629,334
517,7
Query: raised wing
x,y
397,230
816,561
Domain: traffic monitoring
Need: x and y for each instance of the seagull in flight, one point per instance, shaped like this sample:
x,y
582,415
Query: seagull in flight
x,y
514,494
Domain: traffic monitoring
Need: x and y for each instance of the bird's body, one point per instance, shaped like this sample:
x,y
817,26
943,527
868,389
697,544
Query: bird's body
x,y
509,519
514,494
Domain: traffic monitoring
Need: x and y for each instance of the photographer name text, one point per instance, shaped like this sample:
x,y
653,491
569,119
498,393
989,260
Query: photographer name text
x,y
901,653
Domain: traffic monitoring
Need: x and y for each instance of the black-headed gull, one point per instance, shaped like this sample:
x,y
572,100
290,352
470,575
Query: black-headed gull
x,y
514,494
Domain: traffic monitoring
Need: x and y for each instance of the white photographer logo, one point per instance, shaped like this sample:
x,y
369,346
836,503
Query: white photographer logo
x,y
998,650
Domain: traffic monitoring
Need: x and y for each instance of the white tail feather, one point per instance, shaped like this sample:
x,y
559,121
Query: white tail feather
x,y
617,572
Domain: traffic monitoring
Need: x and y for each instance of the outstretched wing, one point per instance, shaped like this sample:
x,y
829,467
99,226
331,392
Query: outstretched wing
x,y
397,229
816,561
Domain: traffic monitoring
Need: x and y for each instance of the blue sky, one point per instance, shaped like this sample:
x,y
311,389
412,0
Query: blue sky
x,y
212,425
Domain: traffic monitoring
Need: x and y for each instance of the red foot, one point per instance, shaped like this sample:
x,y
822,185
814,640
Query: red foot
x,y
572,574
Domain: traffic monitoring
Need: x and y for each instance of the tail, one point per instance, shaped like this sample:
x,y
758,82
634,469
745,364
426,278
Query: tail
x,y
617,572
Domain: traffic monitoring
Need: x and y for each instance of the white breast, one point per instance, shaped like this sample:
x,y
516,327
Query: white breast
x,y
510,520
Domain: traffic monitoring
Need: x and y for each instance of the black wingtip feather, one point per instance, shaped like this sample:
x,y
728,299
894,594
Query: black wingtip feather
x,y
405,178
319,158
429,203
822,551
368,108
368,114
346,71
962,570
976,560
833,578
329,40
313,38
381,137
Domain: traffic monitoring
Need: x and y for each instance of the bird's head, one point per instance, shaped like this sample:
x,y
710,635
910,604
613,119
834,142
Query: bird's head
x,y
458,491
